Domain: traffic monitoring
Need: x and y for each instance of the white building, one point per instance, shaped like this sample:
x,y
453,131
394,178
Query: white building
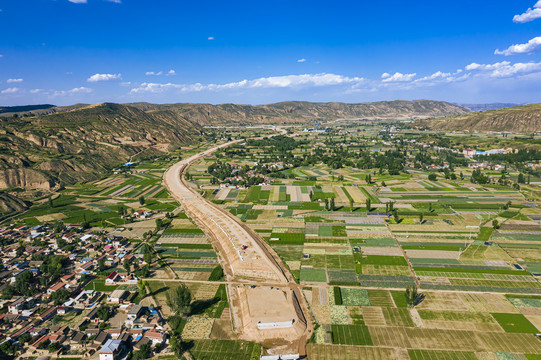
x,y
111,350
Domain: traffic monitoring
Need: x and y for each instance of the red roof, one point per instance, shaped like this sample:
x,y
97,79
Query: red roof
x,y
154,334
112,275
40,340
57,286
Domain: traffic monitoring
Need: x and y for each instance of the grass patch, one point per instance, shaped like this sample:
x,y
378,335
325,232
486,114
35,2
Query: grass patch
x,y
351,335
514,323
355,297
313,275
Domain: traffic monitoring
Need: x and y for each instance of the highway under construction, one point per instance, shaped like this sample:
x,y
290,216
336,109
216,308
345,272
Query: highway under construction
x,y
267,305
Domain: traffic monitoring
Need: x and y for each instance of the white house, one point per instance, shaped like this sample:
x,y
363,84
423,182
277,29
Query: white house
x,y
111,350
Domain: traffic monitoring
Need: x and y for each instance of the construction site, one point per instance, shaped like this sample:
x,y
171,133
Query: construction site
x,y
267,305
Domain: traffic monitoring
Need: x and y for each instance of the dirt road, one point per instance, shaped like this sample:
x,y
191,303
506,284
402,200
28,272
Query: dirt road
x,y
275,316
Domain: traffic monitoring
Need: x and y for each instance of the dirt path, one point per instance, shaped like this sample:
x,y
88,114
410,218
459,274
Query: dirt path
x,y
255,274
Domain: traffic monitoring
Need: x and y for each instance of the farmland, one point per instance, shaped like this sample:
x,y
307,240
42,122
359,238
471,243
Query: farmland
x,y
354,236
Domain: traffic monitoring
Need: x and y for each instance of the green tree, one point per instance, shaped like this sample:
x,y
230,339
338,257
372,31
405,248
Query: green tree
x,y
141,284
60,296
326,204
495,224
411,295
101,265
142,200
217,274
59,227
52,347
144,352
368,205
432,177
331,205
50,201
521,179
396,217
179,299
175,323
103,313
127,265
351,205
25,338
147,257
421,218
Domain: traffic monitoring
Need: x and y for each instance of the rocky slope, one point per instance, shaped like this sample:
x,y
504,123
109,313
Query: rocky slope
x,y
10,203
43,151
519,119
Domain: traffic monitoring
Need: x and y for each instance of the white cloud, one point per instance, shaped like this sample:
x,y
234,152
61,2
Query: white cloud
x,y
287,81
74,91
210,38
115,1
530,14
35,91
159,73
505,69
531,46
301,60
12,90
397,77
78,1
104,77
485,67
81,89
436,75
1,56
9,81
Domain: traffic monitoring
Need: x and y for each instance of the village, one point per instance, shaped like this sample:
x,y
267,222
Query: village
x,y
52,305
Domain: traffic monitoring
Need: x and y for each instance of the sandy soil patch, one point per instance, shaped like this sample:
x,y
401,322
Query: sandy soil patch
x,y
373,316
322,313
341,196
51,217
442,301
356,194
222,194
391,251
432,254
535,320
488,303
198,328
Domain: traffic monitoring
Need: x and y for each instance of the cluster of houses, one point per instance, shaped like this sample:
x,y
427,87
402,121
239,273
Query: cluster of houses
x,y
40,325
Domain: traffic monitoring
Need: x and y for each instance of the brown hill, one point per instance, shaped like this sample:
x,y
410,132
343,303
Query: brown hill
x,y
519,119
81,144
300,112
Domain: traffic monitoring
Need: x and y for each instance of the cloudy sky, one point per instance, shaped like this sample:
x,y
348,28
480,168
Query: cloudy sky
x,y
69,51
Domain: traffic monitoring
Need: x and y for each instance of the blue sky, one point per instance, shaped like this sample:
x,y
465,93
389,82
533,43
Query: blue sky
x,y
164,51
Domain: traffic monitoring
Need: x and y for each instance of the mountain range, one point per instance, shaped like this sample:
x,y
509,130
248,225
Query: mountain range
x,y
46,146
